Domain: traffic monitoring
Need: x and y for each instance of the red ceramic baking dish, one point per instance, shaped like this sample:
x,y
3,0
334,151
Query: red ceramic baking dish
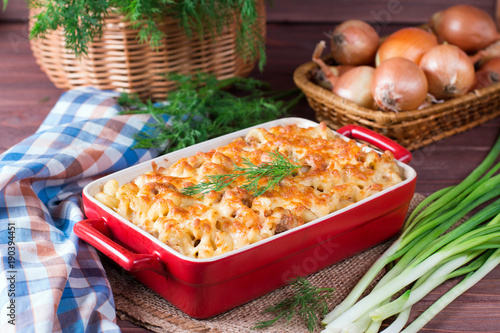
x,y
203,288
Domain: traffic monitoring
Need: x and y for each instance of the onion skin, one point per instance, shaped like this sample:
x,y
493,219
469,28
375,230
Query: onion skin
x,y
354,43
399,85
465,26
449,71
328,78
410,43
355,86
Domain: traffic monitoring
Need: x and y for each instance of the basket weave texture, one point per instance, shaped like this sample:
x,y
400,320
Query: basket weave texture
x,y
412,129
118,61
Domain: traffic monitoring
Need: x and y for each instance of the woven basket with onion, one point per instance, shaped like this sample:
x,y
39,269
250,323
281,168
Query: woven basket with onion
x,y
118,58
417,85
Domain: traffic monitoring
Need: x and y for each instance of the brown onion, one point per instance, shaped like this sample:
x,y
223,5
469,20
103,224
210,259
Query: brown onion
x,y
354,42
355,86
488,74
350,82
449,71
410,43
492,65
339,70
320,77
399,85
490,52
485,78
468,27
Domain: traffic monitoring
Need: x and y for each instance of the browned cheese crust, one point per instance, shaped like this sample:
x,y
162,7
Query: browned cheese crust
x,y
334,174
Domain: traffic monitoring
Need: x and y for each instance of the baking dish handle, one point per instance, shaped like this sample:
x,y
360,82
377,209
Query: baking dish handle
x,y
96,233
378,140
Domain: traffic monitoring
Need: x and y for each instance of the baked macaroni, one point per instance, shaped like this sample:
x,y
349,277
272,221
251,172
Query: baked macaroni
x,y
333,174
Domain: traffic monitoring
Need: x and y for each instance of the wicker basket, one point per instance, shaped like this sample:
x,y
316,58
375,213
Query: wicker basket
x,y
412,129
118,61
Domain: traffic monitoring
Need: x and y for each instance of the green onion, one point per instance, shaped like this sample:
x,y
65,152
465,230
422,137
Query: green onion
x,y
392,308
430,250
470,280
420,289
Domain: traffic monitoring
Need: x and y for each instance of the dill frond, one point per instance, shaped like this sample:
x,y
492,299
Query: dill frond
x,y
274,172
306,301
201,108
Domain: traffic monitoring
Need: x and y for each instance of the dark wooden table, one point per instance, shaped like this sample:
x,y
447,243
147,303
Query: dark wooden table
x,y
26,96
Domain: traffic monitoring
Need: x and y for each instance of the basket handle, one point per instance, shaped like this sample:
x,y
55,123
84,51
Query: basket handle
x,y
378,140
96,233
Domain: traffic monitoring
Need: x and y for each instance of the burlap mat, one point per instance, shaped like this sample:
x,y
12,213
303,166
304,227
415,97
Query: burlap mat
x,y
142,306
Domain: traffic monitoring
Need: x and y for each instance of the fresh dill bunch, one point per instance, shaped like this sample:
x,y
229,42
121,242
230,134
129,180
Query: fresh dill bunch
x,y
202,108
83,20
306,301
274,171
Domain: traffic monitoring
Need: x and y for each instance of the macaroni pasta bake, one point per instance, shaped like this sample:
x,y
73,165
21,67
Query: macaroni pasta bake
x,y
328,174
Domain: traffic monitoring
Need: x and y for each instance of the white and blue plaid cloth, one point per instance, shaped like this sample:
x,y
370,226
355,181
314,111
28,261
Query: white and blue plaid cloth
x,y
50,280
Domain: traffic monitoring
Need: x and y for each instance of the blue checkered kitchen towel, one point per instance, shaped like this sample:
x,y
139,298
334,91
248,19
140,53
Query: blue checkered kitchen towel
x,y
50,280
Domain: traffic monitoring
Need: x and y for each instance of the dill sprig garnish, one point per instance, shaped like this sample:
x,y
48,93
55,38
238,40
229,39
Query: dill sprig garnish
x,y
275,171
306,301
202,108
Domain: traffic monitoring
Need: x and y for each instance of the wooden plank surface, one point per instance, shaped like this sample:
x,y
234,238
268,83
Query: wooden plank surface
x,y
26,96
16,10
381,13
323,11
